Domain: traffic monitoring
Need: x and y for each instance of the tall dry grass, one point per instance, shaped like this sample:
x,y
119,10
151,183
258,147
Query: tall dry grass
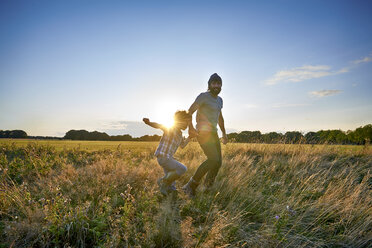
x,y
264,196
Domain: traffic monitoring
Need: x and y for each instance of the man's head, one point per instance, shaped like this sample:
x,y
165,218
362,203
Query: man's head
x,y
182,119
215,84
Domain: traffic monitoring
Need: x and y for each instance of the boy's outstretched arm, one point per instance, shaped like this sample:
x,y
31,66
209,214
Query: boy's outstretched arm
x,y
154,124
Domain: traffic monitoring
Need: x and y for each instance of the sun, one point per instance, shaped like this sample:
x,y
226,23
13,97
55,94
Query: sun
x,y
164,114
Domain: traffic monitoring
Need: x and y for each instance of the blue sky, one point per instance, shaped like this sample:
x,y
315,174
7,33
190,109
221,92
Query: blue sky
x,y
104,65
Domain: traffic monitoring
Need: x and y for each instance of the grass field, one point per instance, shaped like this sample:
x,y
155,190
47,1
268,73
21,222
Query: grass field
x,y
104,194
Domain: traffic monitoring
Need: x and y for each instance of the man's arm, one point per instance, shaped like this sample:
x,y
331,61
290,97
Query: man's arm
x,y
184,142
154,124
192,109
221,123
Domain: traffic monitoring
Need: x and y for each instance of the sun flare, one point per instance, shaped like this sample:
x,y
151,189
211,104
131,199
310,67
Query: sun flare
x,y
164,114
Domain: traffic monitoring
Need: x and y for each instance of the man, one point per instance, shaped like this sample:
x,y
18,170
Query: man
x,y
208,106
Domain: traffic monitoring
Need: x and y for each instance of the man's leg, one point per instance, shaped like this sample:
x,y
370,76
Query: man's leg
x,y
216,165
213,153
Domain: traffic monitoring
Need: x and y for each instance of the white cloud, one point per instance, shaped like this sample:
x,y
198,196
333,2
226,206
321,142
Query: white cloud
x,y
363,60
323,93
306,72
299,74
343,70
289,105
250,106
114,125
134,128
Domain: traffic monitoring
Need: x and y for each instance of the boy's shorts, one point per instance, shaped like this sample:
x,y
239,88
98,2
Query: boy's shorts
x,y
170,164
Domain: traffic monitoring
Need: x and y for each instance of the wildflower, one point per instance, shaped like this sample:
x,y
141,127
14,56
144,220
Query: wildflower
x,y
277,217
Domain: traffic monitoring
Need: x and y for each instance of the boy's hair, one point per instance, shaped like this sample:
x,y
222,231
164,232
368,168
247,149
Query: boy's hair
x,y
182,115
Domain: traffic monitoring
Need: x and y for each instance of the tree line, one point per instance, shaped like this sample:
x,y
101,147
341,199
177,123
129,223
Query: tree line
x,y
13,134
360,136
85,135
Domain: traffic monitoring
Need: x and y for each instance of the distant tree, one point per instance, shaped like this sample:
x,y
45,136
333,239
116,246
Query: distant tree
x,y
98,136
125,137
272,137
149,138
293,137
332,136
85,135
13,134
312,138
361,135
249,137
232,137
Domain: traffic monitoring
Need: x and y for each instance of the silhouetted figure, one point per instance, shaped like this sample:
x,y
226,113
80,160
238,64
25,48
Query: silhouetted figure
x,y
208,106
170,141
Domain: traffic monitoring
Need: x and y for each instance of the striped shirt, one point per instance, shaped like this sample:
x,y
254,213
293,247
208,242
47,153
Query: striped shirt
x,y
170,141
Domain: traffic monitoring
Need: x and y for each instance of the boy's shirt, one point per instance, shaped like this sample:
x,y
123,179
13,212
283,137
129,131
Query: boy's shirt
x,y
169,143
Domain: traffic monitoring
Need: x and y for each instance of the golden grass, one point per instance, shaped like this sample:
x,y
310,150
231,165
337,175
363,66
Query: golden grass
x,y
104,194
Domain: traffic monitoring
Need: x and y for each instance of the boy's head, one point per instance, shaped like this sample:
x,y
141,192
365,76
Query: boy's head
x,y
182,119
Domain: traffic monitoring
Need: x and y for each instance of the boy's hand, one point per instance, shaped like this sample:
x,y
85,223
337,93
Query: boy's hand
x,y
146,120
193,134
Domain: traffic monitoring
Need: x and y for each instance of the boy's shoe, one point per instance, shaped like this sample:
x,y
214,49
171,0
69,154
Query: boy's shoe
x,y
173,188
159,181
164,189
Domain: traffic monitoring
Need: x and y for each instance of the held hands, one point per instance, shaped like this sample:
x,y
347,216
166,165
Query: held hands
x,y
192,133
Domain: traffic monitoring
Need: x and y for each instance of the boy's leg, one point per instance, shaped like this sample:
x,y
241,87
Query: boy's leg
x,y
176,168
173,170
164,189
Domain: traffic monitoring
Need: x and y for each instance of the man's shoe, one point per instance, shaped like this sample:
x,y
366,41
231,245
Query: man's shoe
x,y
190,188
188,191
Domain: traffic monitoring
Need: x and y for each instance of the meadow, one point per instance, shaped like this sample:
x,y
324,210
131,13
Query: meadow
x,y
104,194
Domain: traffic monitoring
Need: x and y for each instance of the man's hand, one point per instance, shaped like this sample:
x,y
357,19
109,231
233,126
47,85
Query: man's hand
x,y
224,139
192,132
146,120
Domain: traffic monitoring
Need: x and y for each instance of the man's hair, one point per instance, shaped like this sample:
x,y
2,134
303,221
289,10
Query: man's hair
x,y
182,115
214,78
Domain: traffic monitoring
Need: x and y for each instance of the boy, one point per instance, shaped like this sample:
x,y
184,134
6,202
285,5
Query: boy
x,y
171,139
